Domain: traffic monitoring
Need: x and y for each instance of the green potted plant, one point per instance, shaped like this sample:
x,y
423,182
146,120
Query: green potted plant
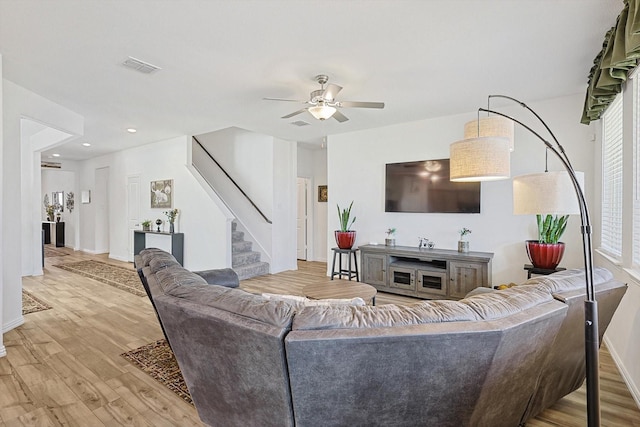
x,y
463,244
345,237
390,240
547,251
146,225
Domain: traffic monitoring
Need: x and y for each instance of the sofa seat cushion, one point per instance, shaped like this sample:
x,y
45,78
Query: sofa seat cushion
x,y
384,316
175,277
306,302
234,300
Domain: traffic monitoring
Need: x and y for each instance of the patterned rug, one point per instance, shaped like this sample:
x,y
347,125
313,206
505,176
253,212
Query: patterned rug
x,y
123,278
50,252
31,304
157,360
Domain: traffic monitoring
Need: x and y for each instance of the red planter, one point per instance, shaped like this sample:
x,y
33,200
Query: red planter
x,y
345,239
545,255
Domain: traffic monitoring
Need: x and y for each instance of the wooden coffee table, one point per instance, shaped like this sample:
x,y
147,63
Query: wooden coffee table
x,y
331,289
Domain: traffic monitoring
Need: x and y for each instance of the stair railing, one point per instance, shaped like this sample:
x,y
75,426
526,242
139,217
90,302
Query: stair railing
x,y
232,181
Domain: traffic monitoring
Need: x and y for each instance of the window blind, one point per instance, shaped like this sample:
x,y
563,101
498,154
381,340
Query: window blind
x,y
611,226
636,175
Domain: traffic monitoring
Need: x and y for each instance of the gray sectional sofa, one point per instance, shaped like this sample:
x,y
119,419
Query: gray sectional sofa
x,y
492,359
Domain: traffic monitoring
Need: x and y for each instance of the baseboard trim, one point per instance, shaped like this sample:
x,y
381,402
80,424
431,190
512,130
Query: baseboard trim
x,y
118,258
635,393
12,324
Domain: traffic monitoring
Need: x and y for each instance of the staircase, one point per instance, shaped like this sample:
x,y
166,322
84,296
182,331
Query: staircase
x,y
245,262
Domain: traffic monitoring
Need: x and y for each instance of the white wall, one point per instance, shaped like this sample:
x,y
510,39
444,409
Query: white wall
x,y
357,166
265,169
312,164
284,206
19,103
3,351
200,219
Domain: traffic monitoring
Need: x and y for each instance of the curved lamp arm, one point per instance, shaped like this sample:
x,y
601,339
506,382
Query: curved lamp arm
x,y
590,307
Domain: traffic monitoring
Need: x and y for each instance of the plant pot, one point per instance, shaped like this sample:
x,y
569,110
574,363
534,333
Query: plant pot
x,y
345,239
146,228
390,242
463,246
545,255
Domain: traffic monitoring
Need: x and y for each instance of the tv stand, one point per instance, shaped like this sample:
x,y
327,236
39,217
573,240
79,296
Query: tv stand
x,y
424,273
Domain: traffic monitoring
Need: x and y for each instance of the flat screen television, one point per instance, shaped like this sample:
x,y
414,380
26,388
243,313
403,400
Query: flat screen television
x,y
424,186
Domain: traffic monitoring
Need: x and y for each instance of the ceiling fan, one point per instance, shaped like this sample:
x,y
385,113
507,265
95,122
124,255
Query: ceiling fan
x,y
323,103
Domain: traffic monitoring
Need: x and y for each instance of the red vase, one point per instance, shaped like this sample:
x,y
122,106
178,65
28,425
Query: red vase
x,y
545,255
345,239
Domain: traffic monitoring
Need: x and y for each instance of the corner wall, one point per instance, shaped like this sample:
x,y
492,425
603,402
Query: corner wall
x,y
356,171
201,221
19,103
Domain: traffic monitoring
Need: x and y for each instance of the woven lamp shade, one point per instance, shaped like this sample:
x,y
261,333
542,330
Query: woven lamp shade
x,y
546,193
490,126
480,159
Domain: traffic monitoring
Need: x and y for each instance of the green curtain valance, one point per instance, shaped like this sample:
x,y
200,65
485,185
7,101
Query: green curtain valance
x,y
619,55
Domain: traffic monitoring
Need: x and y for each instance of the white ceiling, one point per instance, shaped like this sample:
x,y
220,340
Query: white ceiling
x,y
219,59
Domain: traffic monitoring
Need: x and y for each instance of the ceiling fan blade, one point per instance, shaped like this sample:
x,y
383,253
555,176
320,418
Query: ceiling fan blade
x,y
340,117
295,113
356,104
282,99
331,91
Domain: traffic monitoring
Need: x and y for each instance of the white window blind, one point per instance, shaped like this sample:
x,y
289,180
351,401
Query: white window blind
x,y
636,175
611,226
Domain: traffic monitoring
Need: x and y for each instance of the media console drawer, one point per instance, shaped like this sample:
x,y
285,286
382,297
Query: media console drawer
x,y
424,273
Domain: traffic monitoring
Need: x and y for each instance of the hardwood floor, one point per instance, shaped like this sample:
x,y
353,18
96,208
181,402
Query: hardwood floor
x,y
63,366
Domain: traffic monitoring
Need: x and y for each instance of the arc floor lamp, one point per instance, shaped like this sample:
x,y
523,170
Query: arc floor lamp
x,y
484,155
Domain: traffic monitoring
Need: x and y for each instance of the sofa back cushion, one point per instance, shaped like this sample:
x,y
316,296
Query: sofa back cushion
x,y
234,300
175,277
388,315
570,280
159,262
148,254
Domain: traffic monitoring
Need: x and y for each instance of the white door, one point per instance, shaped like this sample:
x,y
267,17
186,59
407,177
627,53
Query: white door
x,y
302,218
133,209
101,201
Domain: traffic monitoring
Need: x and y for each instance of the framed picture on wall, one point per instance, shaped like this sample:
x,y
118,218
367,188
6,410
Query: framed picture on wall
x,y
162,194
323,195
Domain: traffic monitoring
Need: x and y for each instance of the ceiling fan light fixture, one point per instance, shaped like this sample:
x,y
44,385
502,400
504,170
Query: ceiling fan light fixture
x,y
322,112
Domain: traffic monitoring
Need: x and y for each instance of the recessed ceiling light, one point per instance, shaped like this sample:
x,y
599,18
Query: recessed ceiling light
x,y
86,144
132,130
56,155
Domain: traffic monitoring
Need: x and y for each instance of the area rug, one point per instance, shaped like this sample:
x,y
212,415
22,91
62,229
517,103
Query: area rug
x,y
123,278
52,252
31,304
157,360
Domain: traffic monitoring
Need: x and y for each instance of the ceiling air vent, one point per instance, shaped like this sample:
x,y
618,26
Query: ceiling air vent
x,y
300,123
141,66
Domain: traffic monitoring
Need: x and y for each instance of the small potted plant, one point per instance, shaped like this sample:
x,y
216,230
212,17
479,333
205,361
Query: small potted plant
x,y
390,240
146,225
171,215
463,244
547,251
345,237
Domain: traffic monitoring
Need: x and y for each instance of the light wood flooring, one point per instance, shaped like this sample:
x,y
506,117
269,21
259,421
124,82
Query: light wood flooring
x,y
63,366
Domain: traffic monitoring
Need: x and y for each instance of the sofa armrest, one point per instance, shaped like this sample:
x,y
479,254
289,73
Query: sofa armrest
x,y
221,277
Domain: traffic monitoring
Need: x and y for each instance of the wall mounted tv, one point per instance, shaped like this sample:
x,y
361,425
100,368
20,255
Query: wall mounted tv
x,y
424,186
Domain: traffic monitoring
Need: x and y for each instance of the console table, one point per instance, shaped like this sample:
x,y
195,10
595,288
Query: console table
x,y
177,242
424,273
53,232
